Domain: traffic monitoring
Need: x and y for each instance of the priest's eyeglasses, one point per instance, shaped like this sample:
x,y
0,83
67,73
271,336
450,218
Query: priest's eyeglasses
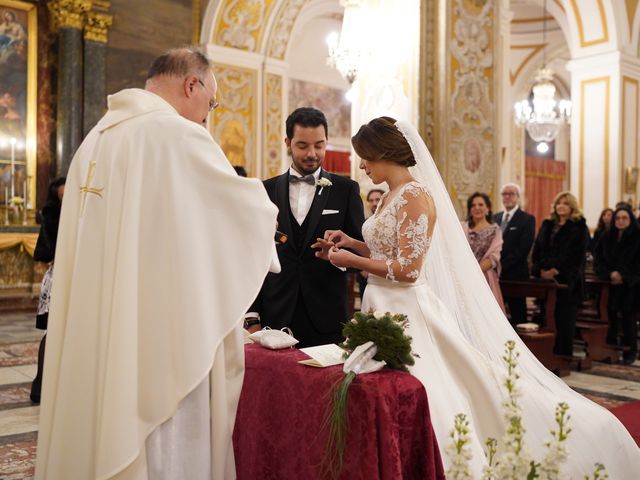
x,y
213,104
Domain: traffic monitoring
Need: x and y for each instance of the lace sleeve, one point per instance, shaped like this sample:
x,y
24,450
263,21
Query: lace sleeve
x,y
415,221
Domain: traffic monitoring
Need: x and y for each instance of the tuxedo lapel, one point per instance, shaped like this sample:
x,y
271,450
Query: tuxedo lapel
x,y
513,222
282,200
319,202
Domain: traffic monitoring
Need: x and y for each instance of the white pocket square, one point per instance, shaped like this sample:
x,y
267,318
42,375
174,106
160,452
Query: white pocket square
x,y
330,212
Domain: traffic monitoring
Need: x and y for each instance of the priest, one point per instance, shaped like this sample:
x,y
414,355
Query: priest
x,y
161,249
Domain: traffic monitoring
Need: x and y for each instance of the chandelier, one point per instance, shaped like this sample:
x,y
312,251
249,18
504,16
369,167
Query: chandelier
x,y
544,118
347,49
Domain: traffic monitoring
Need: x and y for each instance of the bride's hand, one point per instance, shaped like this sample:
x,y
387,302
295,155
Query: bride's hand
x,y
324,247
338,238
341,258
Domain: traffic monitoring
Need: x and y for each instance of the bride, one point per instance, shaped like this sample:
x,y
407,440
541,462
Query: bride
x,y
420,264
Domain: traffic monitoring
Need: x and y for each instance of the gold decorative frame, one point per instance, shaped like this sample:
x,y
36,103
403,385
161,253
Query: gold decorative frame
x,y
28,135
630,180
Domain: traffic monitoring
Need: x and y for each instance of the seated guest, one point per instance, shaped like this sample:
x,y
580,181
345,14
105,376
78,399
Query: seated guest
x,y
485,238
603,226
373,199
617,258
559,254
518,231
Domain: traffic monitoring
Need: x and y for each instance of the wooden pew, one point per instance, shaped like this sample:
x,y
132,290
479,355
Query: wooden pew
x,y
541,343
593,323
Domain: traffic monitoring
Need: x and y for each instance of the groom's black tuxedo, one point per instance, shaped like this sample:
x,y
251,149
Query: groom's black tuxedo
x,y
309,295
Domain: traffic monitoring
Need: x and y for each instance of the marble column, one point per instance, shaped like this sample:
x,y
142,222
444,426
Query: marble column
x,y
95,52
431,70
472,64
461,79
605,149
68,19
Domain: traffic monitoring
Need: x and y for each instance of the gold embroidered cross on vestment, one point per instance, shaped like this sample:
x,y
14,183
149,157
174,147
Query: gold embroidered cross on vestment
x,y
87,188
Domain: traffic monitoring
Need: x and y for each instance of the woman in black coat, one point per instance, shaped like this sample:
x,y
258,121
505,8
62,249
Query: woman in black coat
x,y
603,227
559,254
617,258
45,252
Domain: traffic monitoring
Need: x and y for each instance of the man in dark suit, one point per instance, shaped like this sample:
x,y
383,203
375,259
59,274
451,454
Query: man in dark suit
x,y
309,295
518,232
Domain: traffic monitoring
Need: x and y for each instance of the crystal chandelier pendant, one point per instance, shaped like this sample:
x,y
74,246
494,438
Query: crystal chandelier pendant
x,y
346,50
546,116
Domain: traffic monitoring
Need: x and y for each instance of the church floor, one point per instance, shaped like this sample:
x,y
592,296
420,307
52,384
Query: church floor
x,y
608,385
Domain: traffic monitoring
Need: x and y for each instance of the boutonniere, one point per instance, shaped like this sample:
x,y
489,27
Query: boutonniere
x,y
323,182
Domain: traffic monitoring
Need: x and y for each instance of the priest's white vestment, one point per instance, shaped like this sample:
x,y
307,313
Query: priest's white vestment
x,y
161,250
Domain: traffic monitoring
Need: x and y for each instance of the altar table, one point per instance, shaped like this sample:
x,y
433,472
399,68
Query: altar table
x,y
280,430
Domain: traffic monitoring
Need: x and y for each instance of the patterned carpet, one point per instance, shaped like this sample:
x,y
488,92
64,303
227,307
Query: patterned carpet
x,y
612,386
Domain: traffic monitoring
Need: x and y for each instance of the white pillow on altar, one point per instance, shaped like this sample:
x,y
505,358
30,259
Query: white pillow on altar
x,y
274,339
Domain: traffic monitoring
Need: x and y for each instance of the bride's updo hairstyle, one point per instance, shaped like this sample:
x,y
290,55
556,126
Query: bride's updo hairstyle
x,y
380,140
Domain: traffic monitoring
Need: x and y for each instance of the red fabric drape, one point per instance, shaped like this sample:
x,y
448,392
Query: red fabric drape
x,y
281,426
337,162
544,179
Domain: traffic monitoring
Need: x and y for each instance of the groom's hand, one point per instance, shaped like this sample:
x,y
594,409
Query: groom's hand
x,y
324,247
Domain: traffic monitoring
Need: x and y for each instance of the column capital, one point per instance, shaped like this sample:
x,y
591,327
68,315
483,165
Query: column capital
x,y
506,15
97,27
69,13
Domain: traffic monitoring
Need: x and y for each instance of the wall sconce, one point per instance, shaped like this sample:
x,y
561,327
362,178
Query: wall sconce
x,y
630,180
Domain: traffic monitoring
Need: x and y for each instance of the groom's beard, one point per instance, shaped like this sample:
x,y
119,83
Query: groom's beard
x,y
307,165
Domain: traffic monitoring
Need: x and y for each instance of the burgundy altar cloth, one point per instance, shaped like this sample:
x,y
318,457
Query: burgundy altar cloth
x,y
279,430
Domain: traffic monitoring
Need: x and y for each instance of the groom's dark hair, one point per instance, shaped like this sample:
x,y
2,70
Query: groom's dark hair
x,y
380,139
306,117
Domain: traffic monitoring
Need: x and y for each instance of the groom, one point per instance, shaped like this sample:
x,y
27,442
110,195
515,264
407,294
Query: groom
x,y
309,295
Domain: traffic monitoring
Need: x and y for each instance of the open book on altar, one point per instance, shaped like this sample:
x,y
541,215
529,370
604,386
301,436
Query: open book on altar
x,y
323,355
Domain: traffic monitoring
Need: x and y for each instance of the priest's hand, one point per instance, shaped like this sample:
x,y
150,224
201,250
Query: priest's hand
x,y
341,258
324,247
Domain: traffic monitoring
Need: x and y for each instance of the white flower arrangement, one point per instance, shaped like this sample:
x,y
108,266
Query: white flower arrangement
x,y
16,201
322,183
372,340
514,462
459,449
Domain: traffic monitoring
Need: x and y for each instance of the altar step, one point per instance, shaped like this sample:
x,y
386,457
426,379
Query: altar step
x,y
18,300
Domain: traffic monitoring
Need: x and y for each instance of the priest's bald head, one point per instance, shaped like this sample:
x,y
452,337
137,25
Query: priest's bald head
x,y
184,78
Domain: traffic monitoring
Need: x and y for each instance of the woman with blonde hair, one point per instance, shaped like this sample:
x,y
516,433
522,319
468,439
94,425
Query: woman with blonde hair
x,y
559,254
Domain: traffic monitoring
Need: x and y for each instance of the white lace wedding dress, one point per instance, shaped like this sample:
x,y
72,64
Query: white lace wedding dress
x,y
464,375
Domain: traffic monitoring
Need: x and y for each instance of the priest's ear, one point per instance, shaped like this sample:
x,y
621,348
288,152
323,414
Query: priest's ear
x,y
190,84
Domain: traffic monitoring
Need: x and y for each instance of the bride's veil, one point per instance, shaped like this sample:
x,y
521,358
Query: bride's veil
x,y
454,274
